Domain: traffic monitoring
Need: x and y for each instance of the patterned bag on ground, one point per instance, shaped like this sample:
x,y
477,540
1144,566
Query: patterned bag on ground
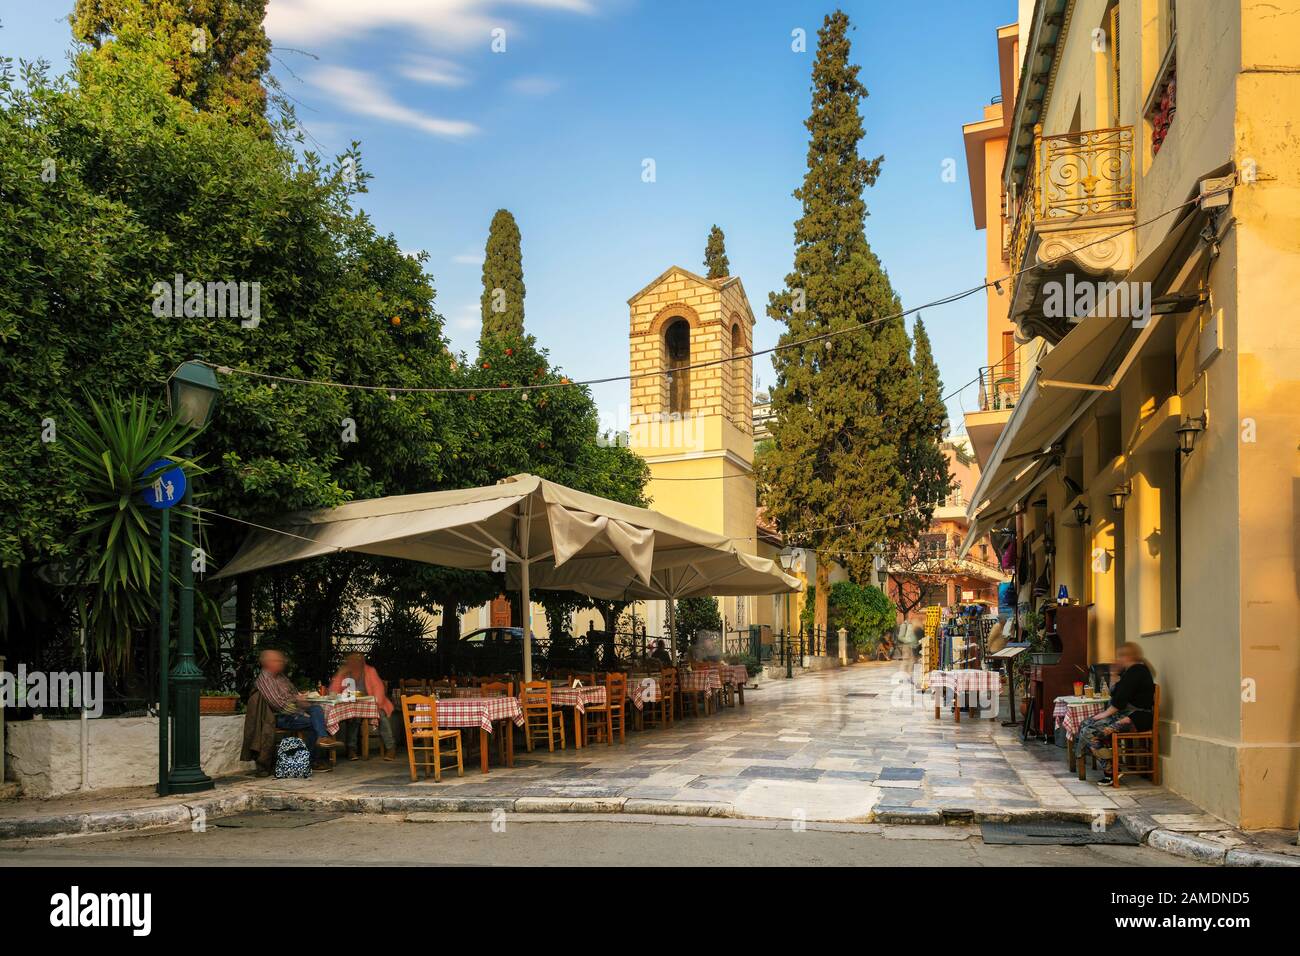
x,y
292,759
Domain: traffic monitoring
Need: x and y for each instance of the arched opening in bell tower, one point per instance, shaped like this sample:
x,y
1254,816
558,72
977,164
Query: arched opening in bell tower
x,y
677,352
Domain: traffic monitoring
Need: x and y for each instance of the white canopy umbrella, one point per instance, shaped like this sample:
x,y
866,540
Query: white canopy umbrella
x,y
732,574
523,520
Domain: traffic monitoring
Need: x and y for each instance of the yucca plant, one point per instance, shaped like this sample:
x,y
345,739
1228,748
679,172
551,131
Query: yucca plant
x,y
109,450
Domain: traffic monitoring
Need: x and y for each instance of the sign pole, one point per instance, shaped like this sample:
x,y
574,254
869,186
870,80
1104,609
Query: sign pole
x,y
164,652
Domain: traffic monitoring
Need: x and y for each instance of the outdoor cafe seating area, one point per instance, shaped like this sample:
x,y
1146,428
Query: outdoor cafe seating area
x,y
438,718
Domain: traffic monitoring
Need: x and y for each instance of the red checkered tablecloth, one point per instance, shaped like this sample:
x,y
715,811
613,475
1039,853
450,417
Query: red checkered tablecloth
x,y
335,714
642,690
692,682
477,711
1071,712
734,673
984,683
578,697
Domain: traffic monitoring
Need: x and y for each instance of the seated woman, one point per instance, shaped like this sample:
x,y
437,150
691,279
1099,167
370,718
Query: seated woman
x,y
1132,698
367,682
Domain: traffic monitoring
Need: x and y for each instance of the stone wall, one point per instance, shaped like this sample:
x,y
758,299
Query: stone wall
x,y
44,756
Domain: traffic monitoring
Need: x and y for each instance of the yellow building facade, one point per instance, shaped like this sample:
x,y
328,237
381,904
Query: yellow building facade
x,y
1149,195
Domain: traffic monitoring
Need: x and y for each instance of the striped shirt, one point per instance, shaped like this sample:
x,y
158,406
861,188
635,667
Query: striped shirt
x,y
278,691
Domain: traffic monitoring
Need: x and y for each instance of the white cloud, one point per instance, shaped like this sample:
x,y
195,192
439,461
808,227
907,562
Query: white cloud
x,y
468,259
444,23
535,85
469,317
434,72
359,92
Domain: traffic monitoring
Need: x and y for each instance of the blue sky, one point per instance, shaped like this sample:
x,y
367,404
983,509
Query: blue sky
x,y
557,126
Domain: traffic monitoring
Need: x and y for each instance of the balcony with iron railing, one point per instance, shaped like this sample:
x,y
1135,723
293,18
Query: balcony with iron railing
x,y
999,386
1070,216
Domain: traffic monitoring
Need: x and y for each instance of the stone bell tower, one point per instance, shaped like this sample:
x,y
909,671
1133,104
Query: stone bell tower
x,y
694,426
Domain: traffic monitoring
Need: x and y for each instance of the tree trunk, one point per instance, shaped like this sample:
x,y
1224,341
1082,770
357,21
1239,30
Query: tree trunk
x,y
244,586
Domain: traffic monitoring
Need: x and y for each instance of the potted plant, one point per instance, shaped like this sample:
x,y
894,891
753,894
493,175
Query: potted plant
x,y
218,702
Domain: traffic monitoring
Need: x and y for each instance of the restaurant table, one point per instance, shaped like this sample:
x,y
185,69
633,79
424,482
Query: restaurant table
x,y
483,713
962,683
578,698
736,674
336,711
1069,713
692,682
642,689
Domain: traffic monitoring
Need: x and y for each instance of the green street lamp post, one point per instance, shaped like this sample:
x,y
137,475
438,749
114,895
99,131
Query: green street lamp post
x,y
192,392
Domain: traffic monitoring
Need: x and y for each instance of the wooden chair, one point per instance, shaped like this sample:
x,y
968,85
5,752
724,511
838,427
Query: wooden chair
x,y
697,701
423,735
1142,757
539,715
602,717
497,688
588,678
659,713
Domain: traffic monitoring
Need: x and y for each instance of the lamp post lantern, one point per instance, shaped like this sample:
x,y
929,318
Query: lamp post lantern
x,y
192,393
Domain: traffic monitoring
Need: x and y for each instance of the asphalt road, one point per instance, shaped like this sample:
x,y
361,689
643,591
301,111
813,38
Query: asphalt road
x,y
539,840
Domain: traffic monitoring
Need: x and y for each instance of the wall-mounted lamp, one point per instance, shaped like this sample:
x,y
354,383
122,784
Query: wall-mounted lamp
x,y
1118,495
1081,514
1187,432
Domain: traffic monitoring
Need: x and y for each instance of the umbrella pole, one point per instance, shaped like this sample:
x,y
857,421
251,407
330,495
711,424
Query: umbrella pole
x,y
672,627
526,614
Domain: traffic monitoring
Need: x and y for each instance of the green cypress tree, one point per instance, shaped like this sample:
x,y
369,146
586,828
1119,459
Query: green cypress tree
x,y
923,460
715,255
503,280
840,406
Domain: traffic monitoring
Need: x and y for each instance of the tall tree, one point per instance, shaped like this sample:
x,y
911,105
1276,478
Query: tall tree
x,y
216,50
833,479
503,281
715,255
922,458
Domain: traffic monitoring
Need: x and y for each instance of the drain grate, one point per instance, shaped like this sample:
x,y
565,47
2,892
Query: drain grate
x,y
861,695
276,819
1055,832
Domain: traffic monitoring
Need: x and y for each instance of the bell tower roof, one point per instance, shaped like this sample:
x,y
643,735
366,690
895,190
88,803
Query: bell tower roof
x,y
689,277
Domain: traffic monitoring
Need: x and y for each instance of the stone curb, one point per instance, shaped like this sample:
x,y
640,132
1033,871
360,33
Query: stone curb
x,y
1141,825
1189,846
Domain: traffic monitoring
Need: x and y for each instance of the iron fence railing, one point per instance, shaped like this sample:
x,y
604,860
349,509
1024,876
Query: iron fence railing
x,y
999,386
1071,175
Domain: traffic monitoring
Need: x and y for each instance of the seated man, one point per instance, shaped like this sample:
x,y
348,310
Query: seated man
x,y
366,682
660,653
1132,699
292,711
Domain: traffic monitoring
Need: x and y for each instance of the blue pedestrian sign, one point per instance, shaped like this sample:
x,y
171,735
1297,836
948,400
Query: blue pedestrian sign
x,y
166,484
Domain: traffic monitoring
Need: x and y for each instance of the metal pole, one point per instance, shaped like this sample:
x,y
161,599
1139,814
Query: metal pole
x,y
164,652
526,614
187,774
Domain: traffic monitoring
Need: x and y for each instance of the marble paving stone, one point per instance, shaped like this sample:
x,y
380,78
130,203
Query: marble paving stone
x,y
782,773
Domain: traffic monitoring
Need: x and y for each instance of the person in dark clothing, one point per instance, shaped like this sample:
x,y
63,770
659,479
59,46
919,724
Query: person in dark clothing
x,y
660,653
1132,700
